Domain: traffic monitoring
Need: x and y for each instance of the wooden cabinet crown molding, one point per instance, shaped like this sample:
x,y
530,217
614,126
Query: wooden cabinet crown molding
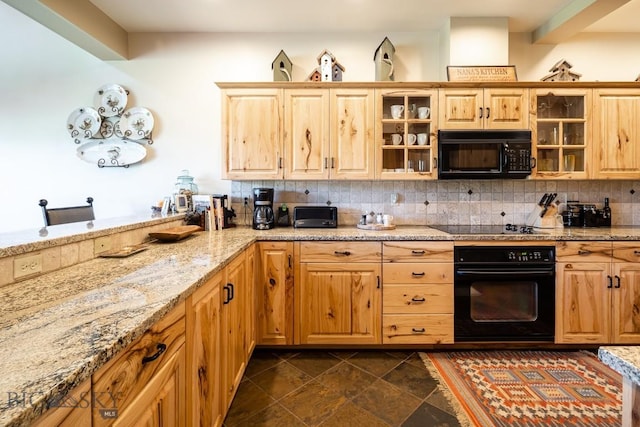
x,y
429,85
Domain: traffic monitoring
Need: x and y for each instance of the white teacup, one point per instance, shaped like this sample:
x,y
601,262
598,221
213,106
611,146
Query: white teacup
x,y
411,139
387,219
396,111
396,139
422,139
423,112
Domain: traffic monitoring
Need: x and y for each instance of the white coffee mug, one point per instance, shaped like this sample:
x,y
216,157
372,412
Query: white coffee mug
x,y
411,139
387,219
422,139
396,139
396,111
423,112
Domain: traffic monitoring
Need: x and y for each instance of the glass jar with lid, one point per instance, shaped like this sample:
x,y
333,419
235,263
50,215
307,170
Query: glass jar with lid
x,y
186,186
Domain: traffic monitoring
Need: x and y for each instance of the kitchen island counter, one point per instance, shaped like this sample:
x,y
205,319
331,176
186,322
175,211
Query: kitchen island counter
x,y
59,328
626,361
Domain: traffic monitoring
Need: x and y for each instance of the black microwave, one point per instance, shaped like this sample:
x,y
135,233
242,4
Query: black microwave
x,y
484,154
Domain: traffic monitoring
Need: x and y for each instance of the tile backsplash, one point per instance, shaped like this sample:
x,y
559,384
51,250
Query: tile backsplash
x,y
442,202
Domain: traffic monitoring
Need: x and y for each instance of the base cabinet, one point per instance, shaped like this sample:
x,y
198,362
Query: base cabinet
x,y
338,288
598,293
274,293
204,355
147,380
417,301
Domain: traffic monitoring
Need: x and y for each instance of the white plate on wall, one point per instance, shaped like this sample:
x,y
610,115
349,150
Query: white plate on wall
x,y
136,123
83,122
110,100
112,152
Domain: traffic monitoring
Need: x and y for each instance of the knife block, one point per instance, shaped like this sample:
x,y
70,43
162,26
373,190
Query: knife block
x,y
549,220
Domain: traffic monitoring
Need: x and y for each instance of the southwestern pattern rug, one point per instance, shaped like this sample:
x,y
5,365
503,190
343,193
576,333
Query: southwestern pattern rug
x,y
529,388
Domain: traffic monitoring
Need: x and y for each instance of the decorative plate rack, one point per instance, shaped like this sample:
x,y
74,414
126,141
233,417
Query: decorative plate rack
x,y
108,134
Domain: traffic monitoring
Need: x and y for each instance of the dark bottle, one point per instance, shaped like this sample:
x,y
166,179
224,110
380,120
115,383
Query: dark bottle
x,y
606,213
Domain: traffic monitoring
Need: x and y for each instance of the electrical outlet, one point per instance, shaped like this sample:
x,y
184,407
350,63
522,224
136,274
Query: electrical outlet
x,y
102,244
27,265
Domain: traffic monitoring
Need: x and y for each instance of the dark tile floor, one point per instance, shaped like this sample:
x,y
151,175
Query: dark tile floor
x,y
338,388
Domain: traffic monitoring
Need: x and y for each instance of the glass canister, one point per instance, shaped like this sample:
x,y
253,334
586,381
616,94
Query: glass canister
x,y
186,186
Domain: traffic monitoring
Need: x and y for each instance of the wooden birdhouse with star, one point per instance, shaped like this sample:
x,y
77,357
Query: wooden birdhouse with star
x,y
383,58
560,72
281,67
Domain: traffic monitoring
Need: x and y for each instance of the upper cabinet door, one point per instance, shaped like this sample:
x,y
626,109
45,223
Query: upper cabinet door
x,y
306,133
352,134
461,109
506,109
484,109
251,137
616,133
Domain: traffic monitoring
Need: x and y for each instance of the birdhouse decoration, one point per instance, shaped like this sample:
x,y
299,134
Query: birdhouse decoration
x,y
281,67
560,73
329,70
383,58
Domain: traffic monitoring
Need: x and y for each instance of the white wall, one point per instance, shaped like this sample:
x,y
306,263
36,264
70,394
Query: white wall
x,y
43,78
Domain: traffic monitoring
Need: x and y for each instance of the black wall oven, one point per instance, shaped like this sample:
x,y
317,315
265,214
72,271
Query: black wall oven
x,y
504,293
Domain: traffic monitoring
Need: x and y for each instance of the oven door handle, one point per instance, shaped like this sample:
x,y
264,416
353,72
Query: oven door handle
x,y
538,272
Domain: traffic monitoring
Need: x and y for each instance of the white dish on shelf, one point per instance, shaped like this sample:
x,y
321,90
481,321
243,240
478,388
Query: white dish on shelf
x,y
111,152
136,123
83,122
110,100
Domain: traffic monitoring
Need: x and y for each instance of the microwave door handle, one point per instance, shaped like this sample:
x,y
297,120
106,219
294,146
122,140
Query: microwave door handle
x,y
505,157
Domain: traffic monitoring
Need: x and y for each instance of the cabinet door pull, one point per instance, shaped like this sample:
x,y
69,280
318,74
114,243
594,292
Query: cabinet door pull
x,y
534,162
488,112
414,252
617,282
161,349
418,330
637,253
610,285
326,163
345,253
233,291
414,274
378,279
435,163
289,261
333,163
480,113
280,163
227,293
418,299
584,252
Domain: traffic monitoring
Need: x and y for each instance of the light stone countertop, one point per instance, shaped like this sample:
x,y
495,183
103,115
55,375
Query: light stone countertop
x,y
59,328
624,359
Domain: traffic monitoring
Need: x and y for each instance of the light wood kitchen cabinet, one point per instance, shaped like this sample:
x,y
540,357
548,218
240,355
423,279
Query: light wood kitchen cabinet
x,y
233,318
413,154
597,293
204,355
417,301
251,133
274,293
617,133
484,109
337,292
146,380
561,132
250,301
72,411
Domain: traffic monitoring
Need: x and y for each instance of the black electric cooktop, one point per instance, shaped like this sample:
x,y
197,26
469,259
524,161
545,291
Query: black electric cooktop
x,y
485,229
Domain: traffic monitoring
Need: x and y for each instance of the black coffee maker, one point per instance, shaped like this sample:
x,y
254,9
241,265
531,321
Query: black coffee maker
x,y
263,218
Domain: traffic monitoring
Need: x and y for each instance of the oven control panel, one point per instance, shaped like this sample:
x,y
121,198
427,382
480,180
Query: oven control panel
x,y
504,254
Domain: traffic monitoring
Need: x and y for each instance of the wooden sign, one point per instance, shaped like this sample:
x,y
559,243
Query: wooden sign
x,y
477,73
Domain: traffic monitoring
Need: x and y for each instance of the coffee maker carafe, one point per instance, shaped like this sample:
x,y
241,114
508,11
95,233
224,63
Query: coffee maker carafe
x,y
263,218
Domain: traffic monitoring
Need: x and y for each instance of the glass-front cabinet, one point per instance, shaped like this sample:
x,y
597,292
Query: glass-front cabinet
x,y
561,133
406,134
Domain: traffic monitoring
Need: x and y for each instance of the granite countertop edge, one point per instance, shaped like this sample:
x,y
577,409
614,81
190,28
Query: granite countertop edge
x,y
623,359
85,314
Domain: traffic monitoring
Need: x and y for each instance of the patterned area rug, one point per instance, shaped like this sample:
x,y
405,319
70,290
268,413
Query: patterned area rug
x,y
530,388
